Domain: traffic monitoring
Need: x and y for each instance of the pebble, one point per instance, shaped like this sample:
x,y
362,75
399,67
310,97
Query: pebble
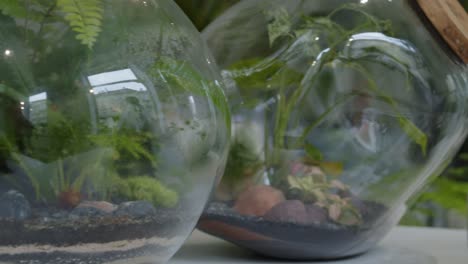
x,y
258,200
100,205
291,211
136,209
14,205
294,211
94,208
315,214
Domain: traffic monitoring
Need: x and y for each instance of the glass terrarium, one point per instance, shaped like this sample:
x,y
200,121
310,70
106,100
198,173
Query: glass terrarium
x,y
347,108
113,130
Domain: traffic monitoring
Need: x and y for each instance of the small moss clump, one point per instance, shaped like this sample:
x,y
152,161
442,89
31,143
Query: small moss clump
x,y
148,189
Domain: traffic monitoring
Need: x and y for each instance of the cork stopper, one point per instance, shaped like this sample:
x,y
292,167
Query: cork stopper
x,y
451,21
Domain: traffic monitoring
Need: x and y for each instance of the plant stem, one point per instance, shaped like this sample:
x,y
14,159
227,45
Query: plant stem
x,y
322,116
62,183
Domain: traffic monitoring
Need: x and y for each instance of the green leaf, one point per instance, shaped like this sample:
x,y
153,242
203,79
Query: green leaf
x,y
12,93
84,17
332,168
414,133
262,75
313,152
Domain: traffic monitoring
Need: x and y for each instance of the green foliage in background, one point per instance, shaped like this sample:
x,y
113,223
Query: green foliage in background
x,y
464,4
449,192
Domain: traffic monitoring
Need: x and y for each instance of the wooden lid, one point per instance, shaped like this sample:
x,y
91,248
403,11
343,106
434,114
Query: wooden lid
x,y
451,21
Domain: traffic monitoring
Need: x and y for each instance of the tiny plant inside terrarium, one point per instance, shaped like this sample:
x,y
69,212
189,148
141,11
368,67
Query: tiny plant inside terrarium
x,y
345,113
112,130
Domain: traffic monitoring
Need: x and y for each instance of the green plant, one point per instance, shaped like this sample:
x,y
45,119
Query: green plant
x,y
327,45
75,150
243,162
149,189
129,149
336,37
50,181
316,189
64,159
273,74
320,45
313,186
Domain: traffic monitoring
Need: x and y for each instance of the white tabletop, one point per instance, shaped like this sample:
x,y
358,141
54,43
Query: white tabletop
x,y
404,245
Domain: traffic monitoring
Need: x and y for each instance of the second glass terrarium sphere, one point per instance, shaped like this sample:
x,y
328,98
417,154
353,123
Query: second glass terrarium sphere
x,y
347,109
113,130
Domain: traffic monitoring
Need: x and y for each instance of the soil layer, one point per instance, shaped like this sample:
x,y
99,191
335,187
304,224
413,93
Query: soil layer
x,y
286,240
94,229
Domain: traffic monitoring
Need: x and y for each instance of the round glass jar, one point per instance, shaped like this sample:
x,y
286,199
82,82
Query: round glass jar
x,y
114,129
347,109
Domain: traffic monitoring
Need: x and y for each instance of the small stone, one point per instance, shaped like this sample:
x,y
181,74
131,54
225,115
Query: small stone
x,y
136,209
100,205
93,208
291,211
58,215
258,200
315,214
14,205
74,217
345,193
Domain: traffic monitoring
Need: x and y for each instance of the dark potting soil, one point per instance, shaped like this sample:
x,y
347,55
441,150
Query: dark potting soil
x,y
65,230
287,240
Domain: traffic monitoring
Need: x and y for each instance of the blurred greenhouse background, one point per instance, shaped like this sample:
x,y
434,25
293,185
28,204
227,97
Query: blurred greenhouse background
x,y
444,203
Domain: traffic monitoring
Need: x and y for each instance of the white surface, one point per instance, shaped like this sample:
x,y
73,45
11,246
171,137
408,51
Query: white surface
x,y
402,246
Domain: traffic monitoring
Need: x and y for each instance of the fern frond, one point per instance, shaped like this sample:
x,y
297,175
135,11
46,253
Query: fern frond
x,y
84,17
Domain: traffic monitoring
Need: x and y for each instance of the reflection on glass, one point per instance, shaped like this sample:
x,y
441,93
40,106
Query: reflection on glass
x,y
37,108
